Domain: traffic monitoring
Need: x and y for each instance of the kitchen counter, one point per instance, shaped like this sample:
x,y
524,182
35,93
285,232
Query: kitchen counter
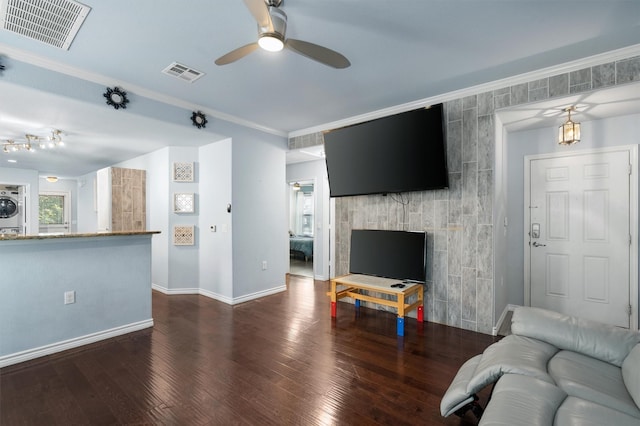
x,y
76,235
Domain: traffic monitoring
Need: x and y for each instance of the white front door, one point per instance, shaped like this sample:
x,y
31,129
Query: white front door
x,y
579,235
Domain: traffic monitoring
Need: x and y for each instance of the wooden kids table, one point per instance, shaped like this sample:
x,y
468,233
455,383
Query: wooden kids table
x,y
351,285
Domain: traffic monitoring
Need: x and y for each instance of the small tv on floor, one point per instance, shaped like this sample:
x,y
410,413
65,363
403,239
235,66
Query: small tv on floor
x,y
399,255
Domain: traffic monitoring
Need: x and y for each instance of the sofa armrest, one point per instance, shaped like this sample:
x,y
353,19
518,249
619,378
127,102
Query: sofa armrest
x,y
456,396
601,341
516,355
513,354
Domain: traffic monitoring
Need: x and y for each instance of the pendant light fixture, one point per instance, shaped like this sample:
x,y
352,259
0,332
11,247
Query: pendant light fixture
x,y
569,132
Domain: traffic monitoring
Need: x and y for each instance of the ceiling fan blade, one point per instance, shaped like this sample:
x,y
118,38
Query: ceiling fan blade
x,y
260,12
236,54
318,53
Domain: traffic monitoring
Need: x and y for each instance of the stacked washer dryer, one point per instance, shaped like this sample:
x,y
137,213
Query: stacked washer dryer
x,y
11,209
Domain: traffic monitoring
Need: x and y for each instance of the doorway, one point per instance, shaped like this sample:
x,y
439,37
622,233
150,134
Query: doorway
x,y
581,217
301,227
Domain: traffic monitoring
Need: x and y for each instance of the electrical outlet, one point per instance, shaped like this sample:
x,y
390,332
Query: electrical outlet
x,y
264,265
69,297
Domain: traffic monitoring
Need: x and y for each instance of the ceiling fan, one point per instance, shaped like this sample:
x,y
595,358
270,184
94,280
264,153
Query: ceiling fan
x,y
272,26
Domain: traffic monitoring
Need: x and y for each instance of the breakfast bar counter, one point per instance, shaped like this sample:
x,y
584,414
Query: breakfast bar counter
x,y
54,235
61,291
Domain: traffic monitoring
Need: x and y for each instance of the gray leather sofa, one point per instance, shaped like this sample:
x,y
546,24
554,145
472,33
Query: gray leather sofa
x,y
553,370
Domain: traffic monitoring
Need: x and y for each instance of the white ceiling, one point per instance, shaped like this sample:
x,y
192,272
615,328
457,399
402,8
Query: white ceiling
x,y
401,52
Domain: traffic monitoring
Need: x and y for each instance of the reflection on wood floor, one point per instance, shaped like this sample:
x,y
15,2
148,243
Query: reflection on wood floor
x,y
301,267
279,360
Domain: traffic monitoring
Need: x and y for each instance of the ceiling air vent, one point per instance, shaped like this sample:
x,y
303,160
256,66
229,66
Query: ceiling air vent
x,y
54,22
183,72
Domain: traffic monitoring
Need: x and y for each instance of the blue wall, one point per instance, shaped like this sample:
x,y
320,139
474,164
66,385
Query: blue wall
x,y
110,275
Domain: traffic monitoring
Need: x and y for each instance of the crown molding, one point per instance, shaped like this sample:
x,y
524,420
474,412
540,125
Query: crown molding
x,y
39,61
603,58
611,56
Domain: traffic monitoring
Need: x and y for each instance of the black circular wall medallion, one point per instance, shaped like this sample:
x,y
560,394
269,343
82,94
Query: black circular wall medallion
x,y
116,97
199,119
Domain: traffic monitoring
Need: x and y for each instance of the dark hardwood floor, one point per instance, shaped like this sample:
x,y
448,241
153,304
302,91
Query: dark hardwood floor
x,y
279,360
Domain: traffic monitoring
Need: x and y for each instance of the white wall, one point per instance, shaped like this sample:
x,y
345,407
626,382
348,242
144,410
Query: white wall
x,y
216,260
316,171
87,219
610,132
258,216
247,173
183,260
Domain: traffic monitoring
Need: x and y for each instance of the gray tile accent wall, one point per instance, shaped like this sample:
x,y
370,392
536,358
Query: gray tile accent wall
x,y
459,220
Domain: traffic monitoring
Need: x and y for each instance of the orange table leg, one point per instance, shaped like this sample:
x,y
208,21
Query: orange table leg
x,y
420,313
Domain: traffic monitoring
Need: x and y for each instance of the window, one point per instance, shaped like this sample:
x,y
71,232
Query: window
x,y
53,215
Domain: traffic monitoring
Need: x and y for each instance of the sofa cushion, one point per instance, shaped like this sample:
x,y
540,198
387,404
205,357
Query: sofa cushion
x,y
601,341
580,412
512,354
521,400
591,379
631,374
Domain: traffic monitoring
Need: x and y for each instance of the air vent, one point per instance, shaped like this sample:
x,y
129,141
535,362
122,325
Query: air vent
x,y
54,22
183,72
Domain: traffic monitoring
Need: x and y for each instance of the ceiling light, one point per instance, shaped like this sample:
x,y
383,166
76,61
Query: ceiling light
x,y
271,42
30,142
569,132
52,179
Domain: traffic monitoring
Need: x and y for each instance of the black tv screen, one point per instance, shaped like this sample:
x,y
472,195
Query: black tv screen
x,y
400,255
400,153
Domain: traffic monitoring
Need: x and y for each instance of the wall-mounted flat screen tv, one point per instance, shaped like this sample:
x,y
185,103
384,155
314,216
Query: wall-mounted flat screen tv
x,y
400,153
400,255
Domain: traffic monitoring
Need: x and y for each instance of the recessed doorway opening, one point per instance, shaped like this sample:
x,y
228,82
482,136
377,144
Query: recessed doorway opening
x,y
301,227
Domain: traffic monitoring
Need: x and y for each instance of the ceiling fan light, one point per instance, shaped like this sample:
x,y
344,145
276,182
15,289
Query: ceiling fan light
x,y
271,42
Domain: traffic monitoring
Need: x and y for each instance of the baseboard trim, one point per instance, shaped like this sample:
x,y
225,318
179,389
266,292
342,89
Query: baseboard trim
x,y
171,291
215,296
219,297
259,294
64,345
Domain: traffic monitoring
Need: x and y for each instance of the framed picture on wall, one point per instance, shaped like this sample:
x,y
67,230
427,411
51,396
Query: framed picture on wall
x,y
184,235
184,202
182,172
